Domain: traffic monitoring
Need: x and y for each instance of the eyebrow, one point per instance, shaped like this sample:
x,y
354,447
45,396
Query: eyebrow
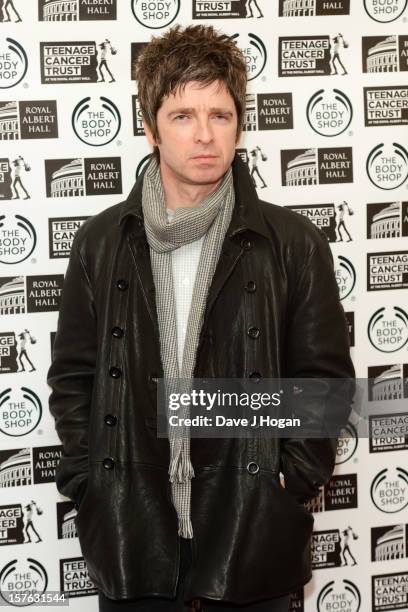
x,y
213,109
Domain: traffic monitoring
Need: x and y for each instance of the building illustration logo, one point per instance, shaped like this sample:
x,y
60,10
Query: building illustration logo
x,y
13,62
96,121
313,8
329,112
385,53
387,220
76,10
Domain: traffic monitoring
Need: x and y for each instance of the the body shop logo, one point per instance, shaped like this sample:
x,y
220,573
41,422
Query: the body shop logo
x,y
226,9
13,63
141,165
302,167
389,591
96,121
22,577
387,220
268,112
61,232
312,55
155,14
387,270
329,112
387,165
20,411
341,595
17,239
389,489
77,61
385,11
85,10
388,329
28,119
88,176
385,53
254,52
345,274
346,444
386,105
313,8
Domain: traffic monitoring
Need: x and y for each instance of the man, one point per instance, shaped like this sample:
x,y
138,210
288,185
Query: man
x,y
192,276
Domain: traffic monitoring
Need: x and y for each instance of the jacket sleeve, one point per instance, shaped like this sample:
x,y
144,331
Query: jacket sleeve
x,y
71,376
317,347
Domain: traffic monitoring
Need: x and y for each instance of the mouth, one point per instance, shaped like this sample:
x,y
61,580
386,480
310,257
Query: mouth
x,y
205,157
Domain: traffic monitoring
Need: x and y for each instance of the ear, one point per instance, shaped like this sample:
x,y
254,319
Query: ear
x,y
149,134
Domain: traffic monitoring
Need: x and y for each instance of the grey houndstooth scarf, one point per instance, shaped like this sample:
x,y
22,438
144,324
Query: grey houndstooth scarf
x,y
212,218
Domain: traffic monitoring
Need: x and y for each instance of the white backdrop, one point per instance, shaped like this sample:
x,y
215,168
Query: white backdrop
x,y
325,133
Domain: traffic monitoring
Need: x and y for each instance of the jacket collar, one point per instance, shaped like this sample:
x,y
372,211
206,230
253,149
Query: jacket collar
x,y
246,213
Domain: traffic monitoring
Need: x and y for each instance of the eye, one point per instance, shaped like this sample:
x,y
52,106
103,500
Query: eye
x,y
180,116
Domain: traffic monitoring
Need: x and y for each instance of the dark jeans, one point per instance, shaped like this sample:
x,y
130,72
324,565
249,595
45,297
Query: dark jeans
x,y
160,604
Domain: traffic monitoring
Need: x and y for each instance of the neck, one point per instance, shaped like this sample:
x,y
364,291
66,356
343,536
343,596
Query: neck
x,y
179,194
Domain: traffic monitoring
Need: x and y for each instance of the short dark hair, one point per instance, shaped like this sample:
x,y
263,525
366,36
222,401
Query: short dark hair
x,y
181,55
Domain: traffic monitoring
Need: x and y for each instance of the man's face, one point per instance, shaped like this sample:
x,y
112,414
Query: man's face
x,y
197,129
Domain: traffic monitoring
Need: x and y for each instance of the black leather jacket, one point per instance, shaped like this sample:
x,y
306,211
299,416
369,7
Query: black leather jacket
x,y
251,535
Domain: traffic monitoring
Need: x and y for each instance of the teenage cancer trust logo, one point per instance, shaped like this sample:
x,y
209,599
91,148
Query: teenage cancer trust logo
x,y
13,62
96,121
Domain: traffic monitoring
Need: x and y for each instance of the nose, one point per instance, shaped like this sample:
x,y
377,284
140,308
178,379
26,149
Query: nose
x,y
203,131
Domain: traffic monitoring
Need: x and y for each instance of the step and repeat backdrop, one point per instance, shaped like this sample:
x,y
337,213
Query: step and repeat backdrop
x,y
325,135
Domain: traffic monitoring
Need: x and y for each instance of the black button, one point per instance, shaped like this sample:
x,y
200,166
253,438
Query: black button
x,y
117,332
76,506
108,463
153,378
252,467
115,372
253,332
110,419
152,290
140,222
250,286
256,376
246,243
122,284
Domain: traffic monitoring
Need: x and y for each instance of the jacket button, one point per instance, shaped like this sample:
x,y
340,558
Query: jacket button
x,y
108,463
252,467
140,223
117,332
115,372
153,378
256,376
110,419
122,284
253,332
246,244
250,286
